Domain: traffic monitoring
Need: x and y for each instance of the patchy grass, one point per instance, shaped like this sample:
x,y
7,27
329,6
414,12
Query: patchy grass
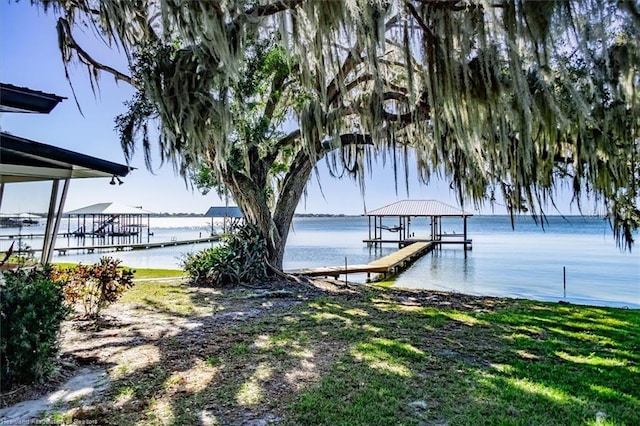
x,y
384,283
145,273
171,297
65,264
141,273
385,356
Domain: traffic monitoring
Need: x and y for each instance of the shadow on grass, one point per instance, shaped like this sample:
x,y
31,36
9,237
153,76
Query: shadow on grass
x,y
469,366
173,298
390,357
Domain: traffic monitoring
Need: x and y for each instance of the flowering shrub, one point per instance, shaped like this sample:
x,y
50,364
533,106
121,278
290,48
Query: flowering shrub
x,y
94,287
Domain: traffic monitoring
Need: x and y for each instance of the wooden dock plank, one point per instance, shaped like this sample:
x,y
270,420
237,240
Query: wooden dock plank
x,y
402,255
383,265
330,271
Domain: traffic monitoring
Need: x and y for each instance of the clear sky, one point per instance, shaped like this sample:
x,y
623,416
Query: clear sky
x,y
29,57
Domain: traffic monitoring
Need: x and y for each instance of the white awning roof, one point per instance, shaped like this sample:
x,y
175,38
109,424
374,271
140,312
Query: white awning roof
x,y
418,208
108,208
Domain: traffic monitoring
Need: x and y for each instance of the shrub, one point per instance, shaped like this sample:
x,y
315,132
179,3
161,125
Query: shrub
x,y
32,309
94,287
241,258
203,267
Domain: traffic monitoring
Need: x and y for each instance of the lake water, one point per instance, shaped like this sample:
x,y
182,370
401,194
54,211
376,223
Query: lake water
x,y
525,262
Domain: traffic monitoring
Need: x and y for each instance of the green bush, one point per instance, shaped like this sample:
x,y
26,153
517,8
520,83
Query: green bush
x,y
240,259
94,287
32,309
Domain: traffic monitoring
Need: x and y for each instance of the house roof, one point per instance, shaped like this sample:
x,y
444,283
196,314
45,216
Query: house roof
x,y
22,99
230,211
418,208
108,208
25,160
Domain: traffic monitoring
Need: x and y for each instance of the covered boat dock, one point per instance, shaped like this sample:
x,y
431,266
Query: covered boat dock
x,y
230,215
403,227
116,221
402,222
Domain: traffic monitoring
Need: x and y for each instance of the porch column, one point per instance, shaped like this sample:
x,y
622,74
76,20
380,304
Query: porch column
x,y
53,219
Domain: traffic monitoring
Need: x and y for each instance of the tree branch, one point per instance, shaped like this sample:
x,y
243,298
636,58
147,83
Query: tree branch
x,y
396,96
453,5
333,89
287,140
348,139
83,6
277,84
273,8
338,95
88,59
290,193
355,139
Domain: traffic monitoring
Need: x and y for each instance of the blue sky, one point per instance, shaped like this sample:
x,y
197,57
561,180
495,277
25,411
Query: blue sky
x,y
29,57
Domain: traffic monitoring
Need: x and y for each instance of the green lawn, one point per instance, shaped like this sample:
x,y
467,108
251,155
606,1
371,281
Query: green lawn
x,y
525,363
141,273
158,273
386,357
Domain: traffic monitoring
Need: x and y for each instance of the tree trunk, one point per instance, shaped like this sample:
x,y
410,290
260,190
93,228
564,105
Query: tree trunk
x,y
252,200
292,190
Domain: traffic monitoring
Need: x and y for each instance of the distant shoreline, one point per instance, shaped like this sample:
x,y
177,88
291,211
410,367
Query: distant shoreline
x,y
363,215
296,215
183,214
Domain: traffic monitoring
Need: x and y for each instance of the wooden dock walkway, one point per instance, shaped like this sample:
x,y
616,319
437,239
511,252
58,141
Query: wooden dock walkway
x,y
389,264
134,246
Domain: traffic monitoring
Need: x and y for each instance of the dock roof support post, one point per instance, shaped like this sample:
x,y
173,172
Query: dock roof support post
x,y
404,227
375,231
465,232
433,228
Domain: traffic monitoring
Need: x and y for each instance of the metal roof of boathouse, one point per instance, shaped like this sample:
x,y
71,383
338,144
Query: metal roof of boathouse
x,y
418,208
108,209
228,211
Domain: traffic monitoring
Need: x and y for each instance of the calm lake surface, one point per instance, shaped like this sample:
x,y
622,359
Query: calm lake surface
x,y
525,262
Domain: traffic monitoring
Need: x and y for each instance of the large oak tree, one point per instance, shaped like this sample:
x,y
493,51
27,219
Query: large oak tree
x,y
508,97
